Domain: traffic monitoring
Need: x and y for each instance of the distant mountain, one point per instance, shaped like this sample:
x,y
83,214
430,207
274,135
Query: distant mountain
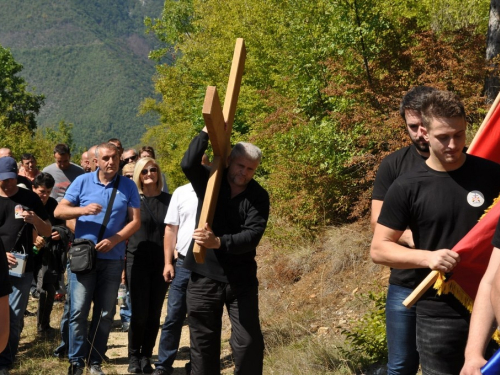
x,y
90,60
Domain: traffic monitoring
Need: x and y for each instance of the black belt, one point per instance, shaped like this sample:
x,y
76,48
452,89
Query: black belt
x,y
180,256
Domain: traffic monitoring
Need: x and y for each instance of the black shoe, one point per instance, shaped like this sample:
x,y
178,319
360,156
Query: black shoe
x,y
75,370
187,368
134,366
146,366
27,313
160,371
96,369
125,326
60,354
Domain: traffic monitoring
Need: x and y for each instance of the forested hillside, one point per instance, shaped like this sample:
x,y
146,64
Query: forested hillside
x,y
90,61
322,85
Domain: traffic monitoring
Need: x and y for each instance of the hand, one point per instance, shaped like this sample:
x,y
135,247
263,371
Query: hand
x,y
443,260
169,273
39,242
205,237
11,259
104,246
55,236
92,209
473,366
29,216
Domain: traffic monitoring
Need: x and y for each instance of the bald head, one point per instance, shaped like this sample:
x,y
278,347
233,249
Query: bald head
x,y
5,152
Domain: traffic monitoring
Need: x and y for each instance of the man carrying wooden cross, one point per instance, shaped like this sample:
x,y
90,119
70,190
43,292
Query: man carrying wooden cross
x,y
228,275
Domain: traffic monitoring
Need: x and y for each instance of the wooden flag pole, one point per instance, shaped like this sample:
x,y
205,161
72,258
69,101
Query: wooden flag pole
x,y
421,289
219,124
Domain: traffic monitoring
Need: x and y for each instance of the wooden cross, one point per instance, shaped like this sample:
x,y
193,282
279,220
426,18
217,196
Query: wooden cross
x,y
219,124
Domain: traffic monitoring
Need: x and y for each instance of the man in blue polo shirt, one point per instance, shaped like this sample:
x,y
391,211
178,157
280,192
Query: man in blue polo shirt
x,y
86,200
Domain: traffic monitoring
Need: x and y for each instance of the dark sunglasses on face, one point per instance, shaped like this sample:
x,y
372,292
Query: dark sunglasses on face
x,y
152,170
129,176
131,159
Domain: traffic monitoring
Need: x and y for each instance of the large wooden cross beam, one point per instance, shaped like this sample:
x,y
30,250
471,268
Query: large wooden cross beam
x,y
219,124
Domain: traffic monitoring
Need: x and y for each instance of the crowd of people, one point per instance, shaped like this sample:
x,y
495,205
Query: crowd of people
x,y
118,201
426,198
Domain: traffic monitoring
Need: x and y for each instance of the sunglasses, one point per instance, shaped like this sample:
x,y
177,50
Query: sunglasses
x,y
129,176
152,170
130,159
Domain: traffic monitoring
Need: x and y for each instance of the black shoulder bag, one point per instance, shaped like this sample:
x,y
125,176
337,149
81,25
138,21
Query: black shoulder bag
x,y
82,254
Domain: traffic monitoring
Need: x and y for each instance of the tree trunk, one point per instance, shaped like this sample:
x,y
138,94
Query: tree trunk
x,y
492,83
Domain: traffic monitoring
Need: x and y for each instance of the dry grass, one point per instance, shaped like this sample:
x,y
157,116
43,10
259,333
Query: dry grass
x,y
310,290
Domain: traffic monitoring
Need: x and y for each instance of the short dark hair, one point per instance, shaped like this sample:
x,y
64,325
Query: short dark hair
x,y
44,179
62,149
441,104
414,99
27,156
148,149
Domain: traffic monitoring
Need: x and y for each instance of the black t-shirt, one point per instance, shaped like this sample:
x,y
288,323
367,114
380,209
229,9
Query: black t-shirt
x,y
393,166
440,208
50,207
149,237
10,226
5,287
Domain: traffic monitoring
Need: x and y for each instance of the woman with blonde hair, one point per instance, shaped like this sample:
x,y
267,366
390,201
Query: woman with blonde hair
x,y
145,261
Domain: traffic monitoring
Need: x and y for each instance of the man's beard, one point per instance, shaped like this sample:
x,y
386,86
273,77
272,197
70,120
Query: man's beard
x,y
422,147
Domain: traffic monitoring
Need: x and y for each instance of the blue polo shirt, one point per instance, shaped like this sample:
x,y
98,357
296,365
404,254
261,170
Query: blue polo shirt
x,y
87,189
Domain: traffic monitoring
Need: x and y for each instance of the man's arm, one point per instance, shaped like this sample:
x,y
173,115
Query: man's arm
x,y
134,215
482,324
386,250
66,210
169,243
406,238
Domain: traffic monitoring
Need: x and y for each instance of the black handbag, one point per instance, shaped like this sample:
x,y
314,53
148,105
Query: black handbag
x,y
82,255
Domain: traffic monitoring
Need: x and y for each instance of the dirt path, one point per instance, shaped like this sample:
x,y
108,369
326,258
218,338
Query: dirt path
x,y
118,342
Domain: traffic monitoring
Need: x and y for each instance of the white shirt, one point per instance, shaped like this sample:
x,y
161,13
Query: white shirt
x,y
182,212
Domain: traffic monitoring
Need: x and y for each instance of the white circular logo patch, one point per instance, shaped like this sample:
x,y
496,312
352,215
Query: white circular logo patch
x,y
475,198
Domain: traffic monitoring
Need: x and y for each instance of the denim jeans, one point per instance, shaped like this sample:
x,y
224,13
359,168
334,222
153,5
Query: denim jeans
x,y
126,312
401,325
18,301
441,343
176,313
205,300
100,287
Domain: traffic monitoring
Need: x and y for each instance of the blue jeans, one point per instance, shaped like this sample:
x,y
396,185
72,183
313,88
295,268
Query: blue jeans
x,y
18,301
176,313
401,333
101,287
126,312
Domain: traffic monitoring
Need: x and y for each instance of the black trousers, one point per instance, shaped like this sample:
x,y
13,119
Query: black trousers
x,y
45,304
206,299
147,289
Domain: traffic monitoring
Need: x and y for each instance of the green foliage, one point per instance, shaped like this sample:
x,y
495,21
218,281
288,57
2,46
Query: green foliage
x,y
367,336
17,104
90,60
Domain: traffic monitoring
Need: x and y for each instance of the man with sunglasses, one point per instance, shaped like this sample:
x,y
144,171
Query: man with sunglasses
x,y
229,275
129,156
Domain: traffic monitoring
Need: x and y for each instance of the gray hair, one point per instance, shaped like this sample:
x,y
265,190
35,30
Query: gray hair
x,y
246,150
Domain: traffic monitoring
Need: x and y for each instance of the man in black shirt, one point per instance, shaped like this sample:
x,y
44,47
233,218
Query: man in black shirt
x,y
400,321
229,274
440,201
21,212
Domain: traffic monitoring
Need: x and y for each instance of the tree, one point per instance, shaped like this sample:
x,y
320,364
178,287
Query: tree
x,y
17,105
492,83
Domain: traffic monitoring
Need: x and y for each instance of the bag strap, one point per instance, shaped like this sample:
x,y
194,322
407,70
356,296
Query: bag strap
x,y
19,236
108,210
